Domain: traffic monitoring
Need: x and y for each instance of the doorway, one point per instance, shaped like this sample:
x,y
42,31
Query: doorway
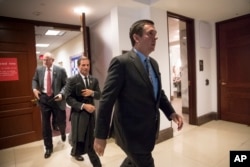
x,y
178,66
182,66
57,41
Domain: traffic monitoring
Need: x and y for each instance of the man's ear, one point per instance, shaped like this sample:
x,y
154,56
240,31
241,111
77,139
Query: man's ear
x,y
136,38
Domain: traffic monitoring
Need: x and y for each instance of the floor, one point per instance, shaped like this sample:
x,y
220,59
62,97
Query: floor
x,y
207,145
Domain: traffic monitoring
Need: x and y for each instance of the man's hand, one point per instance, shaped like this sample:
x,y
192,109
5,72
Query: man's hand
x,y
89,107
178,120
87,92
99,146
37,93
58,97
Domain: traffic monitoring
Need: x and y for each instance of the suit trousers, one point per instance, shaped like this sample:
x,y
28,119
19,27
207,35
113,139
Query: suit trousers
x,y
93,157
138,160
48,105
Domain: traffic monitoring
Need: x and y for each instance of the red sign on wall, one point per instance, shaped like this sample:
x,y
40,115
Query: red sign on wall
x,y
8,69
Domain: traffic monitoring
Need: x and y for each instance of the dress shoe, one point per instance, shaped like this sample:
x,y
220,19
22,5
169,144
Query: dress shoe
x,y
78,158
48,153
55,128
63,137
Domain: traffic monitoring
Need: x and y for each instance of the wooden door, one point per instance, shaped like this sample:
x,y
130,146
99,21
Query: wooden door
x,y
20,120
233,43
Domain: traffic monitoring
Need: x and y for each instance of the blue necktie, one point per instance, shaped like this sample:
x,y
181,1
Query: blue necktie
x,y
152,76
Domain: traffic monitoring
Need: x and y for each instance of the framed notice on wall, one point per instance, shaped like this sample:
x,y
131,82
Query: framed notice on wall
x,y
8,69
73,64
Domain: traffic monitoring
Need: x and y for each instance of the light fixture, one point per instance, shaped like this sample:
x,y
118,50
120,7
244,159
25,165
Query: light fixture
x,y
42,45
52,32
55,32
80,10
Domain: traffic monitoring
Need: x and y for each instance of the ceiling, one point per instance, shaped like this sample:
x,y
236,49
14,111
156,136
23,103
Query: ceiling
x,y
61,11
53,41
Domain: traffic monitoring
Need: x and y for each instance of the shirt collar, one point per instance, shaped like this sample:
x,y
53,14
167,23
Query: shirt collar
x,y
51,68
140,55
84,76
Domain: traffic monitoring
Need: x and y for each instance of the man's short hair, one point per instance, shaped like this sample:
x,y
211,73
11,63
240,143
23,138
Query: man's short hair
x,y
137,28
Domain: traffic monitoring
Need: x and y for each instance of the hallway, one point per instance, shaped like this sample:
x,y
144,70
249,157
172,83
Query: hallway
x,y
196,146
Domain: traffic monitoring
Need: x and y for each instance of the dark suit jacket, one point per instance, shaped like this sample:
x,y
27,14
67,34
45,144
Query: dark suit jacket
x,y
73,90
136,112
58,82
81,118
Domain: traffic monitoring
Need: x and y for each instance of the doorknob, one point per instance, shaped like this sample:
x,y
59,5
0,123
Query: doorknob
x,y
34,101
223,83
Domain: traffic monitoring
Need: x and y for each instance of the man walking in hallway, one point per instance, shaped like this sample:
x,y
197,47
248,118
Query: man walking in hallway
x,y
81,90
133,87
48,86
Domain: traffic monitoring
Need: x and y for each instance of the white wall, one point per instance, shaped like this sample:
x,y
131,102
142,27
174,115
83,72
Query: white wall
x,y
206,94
63,53
101,48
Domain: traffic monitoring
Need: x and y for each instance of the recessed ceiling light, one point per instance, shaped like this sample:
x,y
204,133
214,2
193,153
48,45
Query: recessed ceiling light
x,y
52,32
42,45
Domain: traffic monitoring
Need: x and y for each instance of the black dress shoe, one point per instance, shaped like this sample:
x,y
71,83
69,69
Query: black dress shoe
x,y
55,128
48,153
79,158
63,137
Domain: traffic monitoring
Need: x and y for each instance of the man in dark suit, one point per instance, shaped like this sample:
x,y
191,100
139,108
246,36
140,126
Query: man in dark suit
x,y
81,90
48,86
134,85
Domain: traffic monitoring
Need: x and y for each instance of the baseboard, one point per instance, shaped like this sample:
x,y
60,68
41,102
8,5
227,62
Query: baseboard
x,y
185,110
206,118
165,134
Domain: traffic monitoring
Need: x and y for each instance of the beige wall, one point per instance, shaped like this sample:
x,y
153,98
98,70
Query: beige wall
x,y
66,51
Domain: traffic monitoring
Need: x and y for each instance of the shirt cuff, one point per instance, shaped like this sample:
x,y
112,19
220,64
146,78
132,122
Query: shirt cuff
x,y
82,106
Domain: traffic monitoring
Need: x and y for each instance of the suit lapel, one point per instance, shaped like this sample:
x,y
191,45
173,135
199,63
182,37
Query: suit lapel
x,y
80,80
54,74
141,70
43,69
90,82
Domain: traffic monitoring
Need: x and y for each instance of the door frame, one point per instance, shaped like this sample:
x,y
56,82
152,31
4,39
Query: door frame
x,y
191,58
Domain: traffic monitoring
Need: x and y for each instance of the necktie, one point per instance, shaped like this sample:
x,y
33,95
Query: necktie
x,y
86,82
49,90
147,69
151,75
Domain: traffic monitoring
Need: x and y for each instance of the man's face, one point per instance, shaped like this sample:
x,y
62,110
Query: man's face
x,y
84,67
47,61
146,43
